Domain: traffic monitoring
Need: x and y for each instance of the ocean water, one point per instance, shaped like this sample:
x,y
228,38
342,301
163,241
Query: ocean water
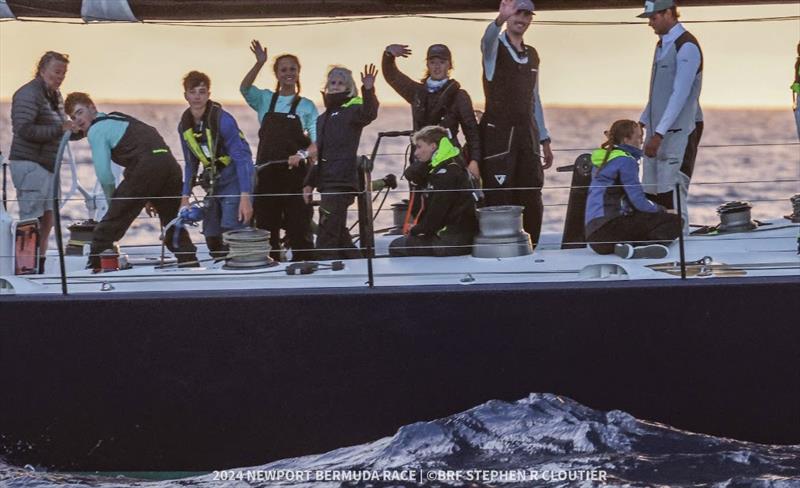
x,y
541,440
745,155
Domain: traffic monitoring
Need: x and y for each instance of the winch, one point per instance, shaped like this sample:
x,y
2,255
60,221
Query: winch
x,y
735,217
501,234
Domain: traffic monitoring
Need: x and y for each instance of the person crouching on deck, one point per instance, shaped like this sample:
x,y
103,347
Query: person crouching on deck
x,y
447,223
152,177
619,217
210,135
336,173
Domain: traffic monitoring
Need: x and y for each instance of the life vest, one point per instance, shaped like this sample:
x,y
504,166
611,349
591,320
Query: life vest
x,y
203,139
440,112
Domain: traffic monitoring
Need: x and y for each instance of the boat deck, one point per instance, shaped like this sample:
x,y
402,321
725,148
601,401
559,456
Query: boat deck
x,y
770,250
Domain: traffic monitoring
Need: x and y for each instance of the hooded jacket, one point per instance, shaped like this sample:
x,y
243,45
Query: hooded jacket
x,y
444,210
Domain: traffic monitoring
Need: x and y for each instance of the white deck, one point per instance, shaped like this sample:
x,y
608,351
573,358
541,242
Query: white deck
x,y
769,251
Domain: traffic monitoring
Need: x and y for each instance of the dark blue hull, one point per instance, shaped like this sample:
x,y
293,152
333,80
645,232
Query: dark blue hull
x,y
203,381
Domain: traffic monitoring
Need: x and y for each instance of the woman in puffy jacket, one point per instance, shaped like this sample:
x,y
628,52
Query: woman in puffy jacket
x,y
38,122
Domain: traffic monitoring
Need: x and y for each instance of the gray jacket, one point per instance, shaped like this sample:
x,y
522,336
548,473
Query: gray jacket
x,y
36,120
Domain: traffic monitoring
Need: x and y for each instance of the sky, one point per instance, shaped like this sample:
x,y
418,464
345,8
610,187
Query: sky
x,y
746,64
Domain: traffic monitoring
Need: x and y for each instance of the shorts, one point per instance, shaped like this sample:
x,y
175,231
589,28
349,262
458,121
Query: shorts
x,y
34,186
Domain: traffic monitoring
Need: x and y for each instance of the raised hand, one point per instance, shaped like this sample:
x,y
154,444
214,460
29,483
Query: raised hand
x,y
398,50
260,53
507,9
368,76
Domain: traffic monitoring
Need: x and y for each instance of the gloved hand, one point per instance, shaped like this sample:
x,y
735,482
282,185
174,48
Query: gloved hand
x,y
390,180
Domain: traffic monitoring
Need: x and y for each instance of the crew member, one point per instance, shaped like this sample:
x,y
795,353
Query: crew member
x,y
152,176
672,116
512,128
447,223
288,124
210,135
619,218
336,173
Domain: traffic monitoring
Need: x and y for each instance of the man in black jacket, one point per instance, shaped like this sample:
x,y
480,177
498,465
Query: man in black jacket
x,y
447,224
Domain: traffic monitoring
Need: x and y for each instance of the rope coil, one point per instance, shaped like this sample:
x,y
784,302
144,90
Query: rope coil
x,y
247,248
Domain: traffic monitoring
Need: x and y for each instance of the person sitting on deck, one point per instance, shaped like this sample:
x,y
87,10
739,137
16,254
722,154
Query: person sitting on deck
x,y
616,207
447,223
152,177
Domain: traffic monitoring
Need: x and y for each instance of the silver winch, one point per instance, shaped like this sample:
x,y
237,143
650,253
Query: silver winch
x,y
501,234
735,217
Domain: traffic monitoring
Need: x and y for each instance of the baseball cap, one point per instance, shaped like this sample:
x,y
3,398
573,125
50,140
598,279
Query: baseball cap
x,y
439,51
653,6
525,5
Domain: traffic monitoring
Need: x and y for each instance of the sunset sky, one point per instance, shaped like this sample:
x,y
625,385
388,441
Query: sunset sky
x,y
746,64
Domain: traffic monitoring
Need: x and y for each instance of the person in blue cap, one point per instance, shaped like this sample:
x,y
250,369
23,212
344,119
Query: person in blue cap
x,y
672,115
514,140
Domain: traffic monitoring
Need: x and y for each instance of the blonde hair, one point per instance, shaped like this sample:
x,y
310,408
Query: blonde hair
x,y
345,73
47,58
431,134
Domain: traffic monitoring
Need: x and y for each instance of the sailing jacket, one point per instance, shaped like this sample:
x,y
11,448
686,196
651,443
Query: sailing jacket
x,y
448,107
444,210
338,135
615,190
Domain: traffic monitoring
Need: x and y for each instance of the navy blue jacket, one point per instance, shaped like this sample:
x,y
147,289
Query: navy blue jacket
x,y
615,189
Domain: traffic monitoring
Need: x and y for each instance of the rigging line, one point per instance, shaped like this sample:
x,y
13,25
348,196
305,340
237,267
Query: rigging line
x,y
284,24
704,146
259,22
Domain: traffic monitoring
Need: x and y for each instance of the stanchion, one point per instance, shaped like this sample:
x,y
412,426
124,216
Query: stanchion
x,y
57,209
680,236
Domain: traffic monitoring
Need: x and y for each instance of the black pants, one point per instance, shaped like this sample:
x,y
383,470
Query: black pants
x,y
334,240
519,168
667,199
638,229
449,244
291,213
154,176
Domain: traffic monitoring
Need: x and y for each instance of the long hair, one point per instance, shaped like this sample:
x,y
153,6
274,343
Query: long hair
x,y
47,58
345,73
296,61
619,131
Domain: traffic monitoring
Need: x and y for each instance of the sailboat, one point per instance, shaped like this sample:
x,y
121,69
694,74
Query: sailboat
x,y
168,369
